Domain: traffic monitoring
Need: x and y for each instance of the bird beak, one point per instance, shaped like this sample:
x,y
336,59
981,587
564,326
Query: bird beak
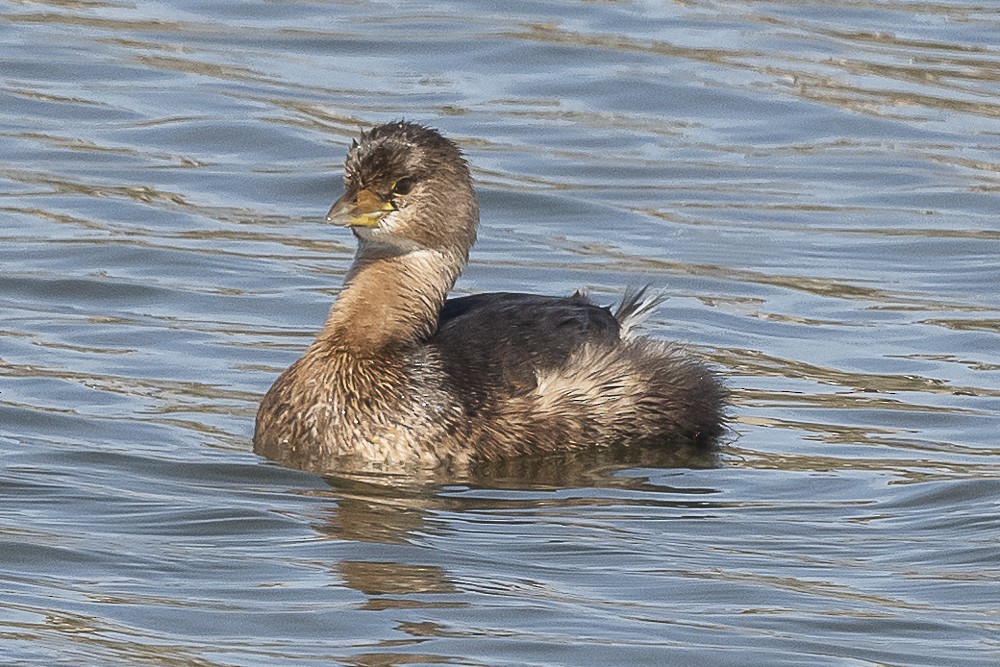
x,y
359,209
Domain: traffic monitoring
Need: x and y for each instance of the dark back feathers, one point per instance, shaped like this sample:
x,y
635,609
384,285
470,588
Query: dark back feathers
x,y
493,344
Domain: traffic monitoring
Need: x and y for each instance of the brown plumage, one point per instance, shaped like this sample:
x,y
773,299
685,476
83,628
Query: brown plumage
x,y
401,376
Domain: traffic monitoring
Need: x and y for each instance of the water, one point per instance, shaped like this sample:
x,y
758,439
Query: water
x,y
814,184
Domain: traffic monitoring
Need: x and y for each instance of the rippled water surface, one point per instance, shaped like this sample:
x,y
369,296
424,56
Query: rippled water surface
x,y
815,185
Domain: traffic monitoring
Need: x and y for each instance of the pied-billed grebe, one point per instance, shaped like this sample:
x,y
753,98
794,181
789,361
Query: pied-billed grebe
x,y
401,376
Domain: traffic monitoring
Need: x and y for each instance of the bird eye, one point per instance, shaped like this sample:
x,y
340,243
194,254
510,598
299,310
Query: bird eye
x,y
402,186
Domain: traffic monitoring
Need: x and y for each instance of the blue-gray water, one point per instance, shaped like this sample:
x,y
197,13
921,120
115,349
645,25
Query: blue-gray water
x,y
814,184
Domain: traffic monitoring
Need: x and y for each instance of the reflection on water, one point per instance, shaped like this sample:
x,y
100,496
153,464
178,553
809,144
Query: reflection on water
x,y
814,186
376,579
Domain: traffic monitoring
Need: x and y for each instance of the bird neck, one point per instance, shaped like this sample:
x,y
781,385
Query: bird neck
x,y
392,298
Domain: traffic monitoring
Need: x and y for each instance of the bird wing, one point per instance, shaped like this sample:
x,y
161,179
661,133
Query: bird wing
x,y
494,344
